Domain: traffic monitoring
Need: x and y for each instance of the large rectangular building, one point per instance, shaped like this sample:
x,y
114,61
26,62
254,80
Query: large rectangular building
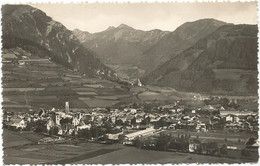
x,y
128,138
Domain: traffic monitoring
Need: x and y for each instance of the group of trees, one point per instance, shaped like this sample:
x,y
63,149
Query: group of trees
x,y
161,123
38,126
53,130
166,142
93,132
119,122
181,143
225,102
96,131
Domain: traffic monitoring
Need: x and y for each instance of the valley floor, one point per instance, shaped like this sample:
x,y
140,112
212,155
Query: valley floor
x,y
22,148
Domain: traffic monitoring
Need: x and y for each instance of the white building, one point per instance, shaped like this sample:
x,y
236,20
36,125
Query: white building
x,y
128,138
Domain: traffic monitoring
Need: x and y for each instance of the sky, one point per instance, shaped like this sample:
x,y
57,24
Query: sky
x,y
96,17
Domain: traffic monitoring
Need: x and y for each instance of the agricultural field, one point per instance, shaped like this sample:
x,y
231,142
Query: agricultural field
x,y
12,139
126,155
220,136
45,84
22,148
152,96
232,73
150,93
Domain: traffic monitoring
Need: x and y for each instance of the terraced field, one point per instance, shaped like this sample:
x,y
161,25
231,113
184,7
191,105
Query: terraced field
x,y
43,83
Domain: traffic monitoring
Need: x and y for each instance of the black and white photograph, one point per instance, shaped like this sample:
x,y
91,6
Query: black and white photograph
x,y
129,83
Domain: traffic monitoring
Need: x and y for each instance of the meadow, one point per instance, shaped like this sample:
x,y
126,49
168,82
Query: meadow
x,y
22,148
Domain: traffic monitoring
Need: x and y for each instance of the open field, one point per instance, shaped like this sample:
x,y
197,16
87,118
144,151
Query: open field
x,y
21,148
98,102
152,96
45,84
232,73
11,139
220,136
132,155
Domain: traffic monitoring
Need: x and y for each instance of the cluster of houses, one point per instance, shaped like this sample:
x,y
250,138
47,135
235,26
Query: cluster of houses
x,y
131,120
64,122
134,123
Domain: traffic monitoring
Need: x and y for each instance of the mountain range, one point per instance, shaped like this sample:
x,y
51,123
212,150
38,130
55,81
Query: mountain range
x,y
206,56
177,41
134,53
32,30
224,62
121,48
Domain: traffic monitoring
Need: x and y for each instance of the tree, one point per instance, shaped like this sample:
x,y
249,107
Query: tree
x,y
160,123
144,122
119,122
138,143
55,130
223,150
245,153
135,106
87,134
163,143
40,126
133,121
126,123
40,112
148,119
65,121
147,108
224,102
84,133
86,120
108,127
30,125
108,109
212,148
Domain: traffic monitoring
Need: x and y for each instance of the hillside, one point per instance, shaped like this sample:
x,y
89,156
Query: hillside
x,y
31,29
177,41
33,82
121,47
44,65
133,53
224,62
